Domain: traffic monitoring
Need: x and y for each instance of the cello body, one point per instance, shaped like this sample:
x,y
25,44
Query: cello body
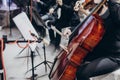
x,y
66,63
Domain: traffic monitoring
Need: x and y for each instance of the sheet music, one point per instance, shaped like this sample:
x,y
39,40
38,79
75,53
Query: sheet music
x,y
25,27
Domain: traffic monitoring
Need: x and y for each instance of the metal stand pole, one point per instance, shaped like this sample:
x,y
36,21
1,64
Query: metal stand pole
x,y
32,61
10,19
45,62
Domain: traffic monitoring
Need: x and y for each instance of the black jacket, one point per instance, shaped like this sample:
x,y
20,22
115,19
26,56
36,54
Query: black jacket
x,y
66,13
110,43
114,33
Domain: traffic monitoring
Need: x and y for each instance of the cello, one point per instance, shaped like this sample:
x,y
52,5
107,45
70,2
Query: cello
x,y
90,32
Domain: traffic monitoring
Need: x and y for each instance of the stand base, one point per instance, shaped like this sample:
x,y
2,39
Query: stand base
x,y
38,54
46,63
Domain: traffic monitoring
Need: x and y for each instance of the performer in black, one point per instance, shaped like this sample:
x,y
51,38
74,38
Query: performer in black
x,y
105,58
64,20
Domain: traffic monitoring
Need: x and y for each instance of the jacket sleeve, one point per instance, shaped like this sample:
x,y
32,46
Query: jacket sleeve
x,y
114,8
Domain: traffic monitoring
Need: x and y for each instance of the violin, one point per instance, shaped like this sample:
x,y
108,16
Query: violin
x,y
89,34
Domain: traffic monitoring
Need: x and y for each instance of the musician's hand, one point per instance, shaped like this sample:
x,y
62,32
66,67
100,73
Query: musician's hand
x,y
59,2
67,32
51,10
78,4
76,8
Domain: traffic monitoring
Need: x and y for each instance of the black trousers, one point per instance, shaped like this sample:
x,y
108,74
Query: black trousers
x,y
56,38
59,24
97,67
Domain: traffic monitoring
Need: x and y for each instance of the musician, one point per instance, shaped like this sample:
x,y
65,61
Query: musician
x,y
64,20
105,58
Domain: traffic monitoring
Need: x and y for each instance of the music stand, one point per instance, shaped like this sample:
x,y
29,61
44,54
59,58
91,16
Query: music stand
x,y
45,62
24,25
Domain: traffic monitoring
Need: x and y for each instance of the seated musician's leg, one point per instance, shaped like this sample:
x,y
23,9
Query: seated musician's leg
x,y
51,36
50,21
96,67
57,40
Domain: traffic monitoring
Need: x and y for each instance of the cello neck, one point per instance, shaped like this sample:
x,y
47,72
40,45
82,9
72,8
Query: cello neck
x,y
99,6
